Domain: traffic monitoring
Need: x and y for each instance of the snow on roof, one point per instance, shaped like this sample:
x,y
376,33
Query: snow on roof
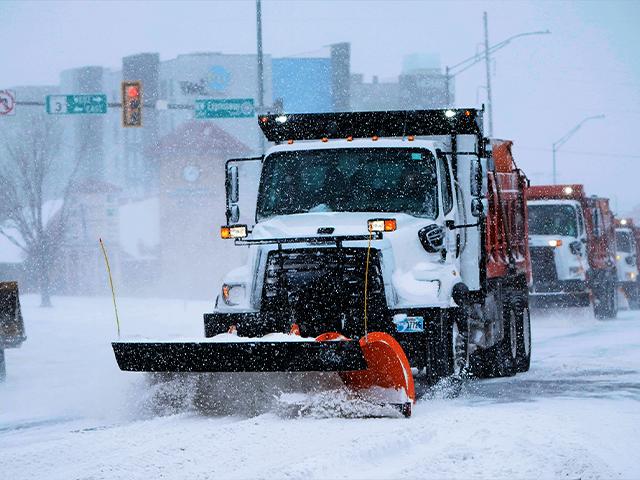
x,y
139,228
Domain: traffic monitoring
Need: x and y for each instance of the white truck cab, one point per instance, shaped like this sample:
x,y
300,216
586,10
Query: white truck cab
x,y
558,246
627,265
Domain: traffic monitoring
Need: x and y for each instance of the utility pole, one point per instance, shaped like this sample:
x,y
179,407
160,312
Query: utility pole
x,y
487,60
260,105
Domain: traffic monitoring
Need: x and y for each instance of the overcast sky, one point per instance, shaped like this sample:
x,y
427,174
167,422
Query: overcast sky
x,y
543,85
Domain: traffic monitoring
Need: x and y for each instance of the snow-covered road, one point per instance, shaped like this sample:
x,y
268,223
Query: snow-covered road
x,y
66,411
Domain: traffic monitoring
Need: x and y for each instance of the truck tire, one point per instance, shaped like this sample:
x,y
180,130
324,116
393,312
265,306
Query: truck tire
x,y
458,358
633,297
606,301
524,340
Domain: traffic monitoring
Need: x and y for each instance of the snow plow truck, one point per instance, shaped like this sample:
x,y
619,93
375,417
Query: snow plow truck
x,y
378,244
572,244
627,241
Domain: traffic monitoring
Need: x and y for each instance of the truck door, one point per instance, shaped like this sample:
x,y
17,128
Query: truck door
x,y
242,181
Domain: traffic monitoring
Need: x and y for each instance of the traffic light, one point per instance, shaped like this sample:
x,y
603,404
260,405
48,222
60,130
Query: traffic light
x,y
132,103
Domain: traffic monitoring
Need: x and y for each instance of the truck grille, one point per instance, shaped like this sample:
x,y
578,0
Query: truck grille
x,y
543,265
322,289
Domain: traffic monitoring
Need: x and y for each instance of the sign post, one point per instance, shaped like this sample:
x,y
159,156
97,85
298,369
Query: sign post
x,y
7,103
76,104
225,108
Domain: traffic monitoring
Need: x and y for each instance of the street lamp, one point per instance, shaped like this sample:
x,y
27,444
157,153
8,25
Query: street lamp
x,y
556,145
467,63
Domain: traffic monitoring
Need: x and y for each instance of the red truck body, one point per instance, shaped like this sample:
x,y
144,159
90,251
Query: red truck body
x,y
507,229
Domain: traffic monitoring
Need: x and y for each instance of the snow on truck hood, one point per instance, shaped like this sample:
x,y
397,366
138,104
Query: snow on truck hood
x,y
344,223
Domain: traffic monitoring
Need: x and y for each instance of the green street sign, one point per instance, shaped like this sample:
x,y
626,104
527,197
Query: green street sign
x,y
76,104
227,108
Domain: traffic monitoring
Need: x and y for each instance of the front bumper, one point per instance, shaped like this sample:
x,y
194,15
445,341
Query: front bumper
x,y
560,293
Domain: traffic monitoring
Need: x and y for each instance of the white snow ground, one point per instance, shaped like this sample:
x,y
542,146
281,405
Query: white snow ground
x,y
67,412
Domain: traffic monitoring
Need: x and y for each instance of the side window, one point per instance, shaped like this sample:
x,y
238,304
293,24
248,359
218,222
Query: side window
x,y
445,182
598,227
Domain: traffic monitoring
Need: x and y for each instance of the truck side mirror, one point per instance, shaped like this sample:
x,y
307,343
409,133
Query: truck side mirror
x,y
476,178
234,213
233,184
477,207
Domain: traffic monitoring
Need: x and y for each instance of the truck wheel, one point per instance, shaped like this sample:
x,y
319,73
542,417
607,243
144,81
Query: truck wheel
x,y
524,340
509,344
633,297
606,302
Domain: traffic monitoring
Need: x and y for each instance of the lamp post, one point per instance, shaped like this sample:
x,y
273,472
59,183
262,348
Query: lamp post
x,y
556,145
452,71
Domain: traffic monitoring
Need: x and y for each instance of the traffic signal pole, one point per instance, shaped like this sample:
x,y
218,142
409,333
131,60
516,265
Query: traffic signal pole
x,y
260,106
487,60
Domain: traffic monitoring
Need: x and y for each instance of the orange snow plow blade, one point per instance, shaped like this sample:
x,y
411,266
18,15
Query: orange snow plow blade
x,y
387,369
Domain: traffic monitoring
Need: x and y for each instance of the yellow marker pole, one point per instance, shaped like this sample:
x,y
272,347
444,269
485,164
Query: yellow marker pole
x,y
113,292
366,284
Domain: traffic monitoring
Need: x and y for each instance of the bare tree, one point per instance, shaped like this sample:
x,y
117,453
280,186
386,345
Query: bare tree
x,y
30,154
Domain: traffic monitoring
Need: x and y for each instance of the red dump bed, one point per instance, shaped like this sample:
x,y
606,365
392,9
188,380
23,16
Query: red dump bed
x,y
599,220
507,232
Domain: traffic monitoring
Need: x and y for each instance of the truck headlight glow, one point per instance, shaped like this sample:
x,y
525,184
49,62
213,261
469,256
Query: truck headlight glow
x,y
631,276
449,113
623,221
232,294
555,243
567,190
233,231
382,225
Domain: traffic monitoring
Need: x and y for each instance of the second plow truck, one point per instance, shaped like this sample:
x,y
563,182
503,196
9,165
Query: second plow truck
x,y
572,245
627,236
379,244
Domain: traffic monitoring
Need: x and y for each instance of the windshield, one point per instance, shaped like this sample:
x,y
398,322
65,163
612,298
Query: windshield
x,y
553,220
349,180
624,241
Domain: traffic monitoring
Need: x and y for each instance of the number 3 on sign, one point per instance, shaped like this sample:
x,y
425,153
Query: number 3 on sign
x,y
57,104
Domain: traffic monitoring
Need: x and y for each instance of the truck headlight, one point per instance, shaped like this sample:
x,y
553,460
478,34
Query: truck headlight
x,y
233,294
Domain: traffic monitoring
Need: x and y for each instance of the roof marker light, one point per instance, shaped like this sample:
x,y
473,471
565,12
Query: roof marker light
x,y
467,113
567,190
349,138
290,141
449,113
264,119
281,118
374,138
411,138
325,139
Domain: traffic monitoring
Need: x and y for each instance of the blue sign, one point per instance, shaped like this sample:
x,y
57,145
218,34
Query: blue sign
x,y
219,78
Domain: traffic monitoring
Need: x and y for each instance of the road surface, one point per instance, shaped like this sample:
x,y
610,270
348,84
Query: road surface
x,y
67,412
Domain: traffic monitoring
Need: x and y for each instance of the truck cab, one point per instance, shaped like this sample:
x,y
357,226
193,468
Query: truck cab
x,y
558,246
627,261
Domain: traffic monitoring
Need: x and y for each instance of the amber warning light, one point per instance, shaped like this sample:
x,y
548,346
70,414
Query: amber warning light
x,y
233,231
382,225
